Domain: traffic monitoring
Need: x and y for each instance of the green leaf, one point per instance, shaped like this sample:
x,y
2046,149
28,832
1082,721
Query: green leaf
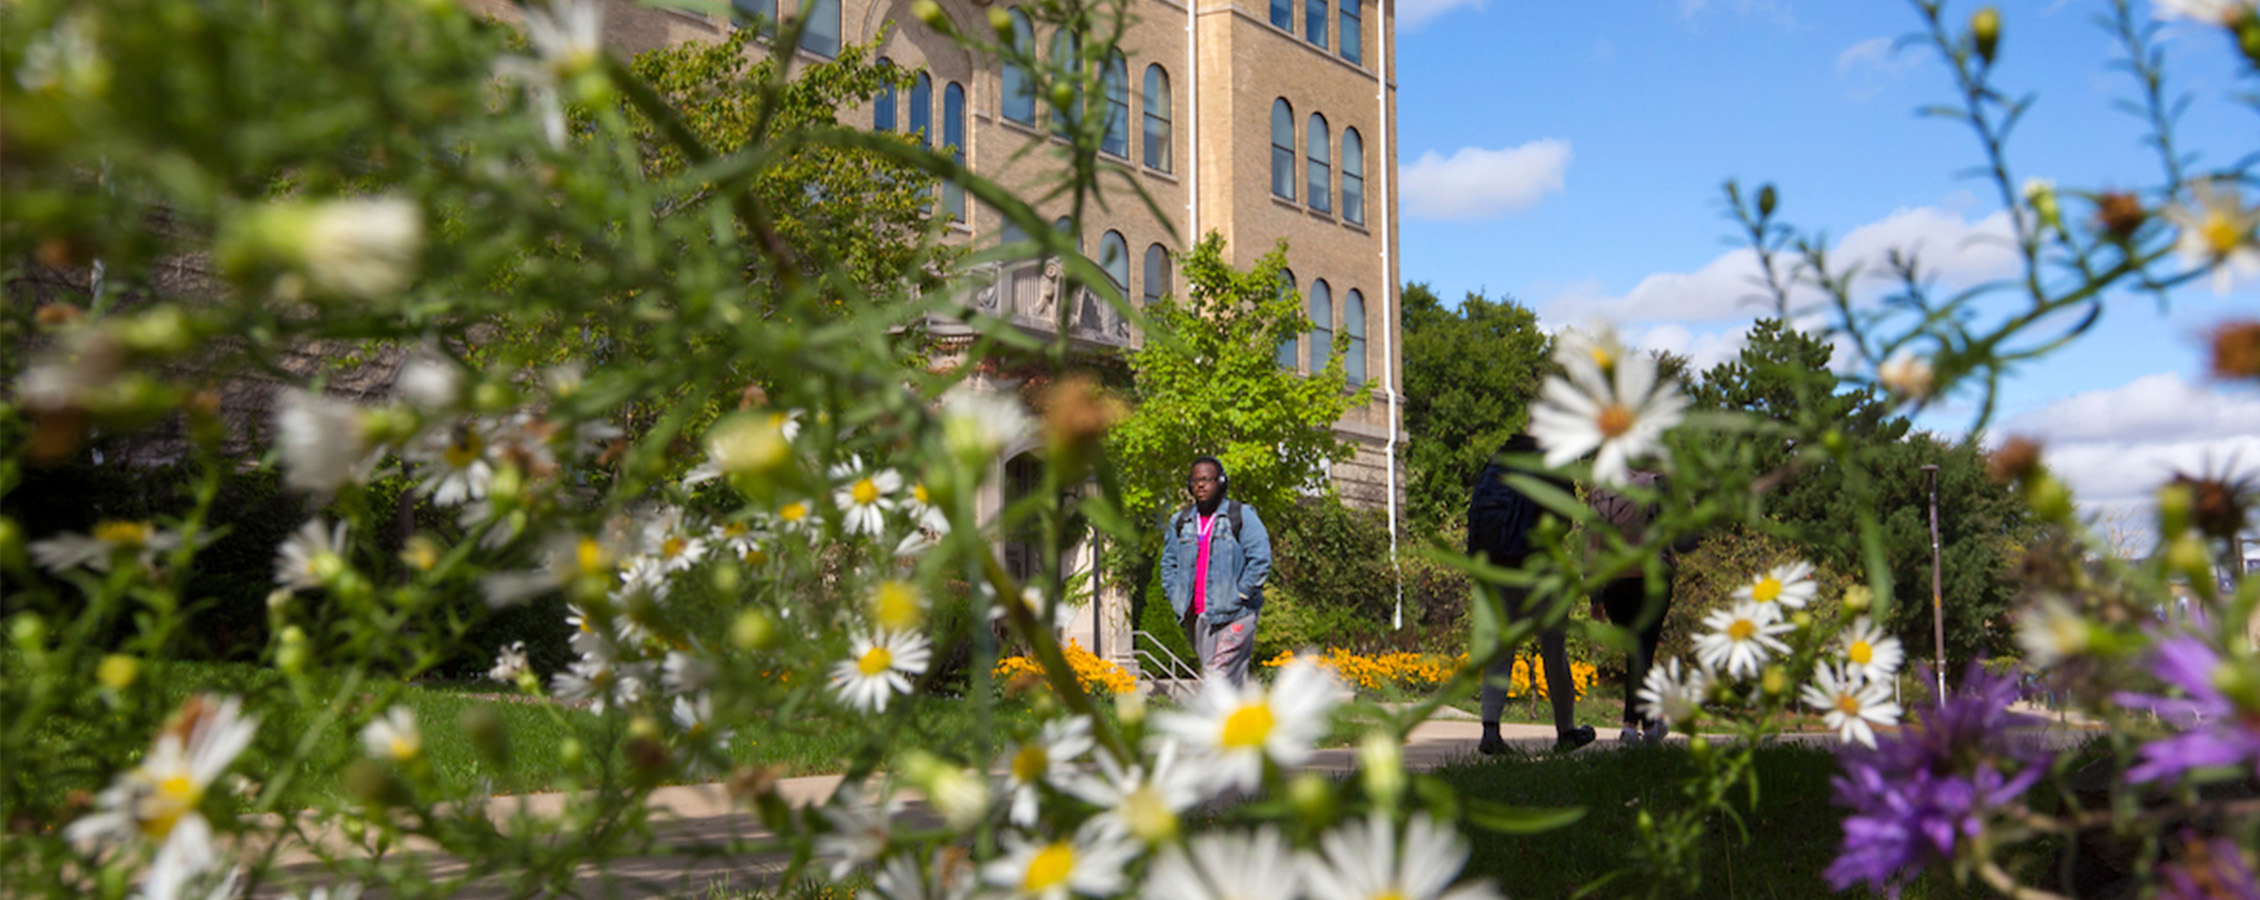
x,y
1505,819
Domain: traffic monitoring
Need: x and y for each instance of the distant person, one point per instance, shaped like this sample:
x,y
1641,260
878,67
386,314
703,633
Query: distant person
x,y
1215,556
1624,600
1500,528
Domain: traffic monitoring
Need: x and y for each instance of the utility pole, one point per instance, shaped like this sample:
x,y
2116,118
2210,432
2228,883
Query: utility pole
x,y
1937,588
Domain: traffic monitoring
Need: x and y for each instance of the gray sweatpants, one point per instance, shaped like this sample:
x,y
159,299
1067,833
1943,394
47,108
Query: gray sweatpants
x,y
1226,648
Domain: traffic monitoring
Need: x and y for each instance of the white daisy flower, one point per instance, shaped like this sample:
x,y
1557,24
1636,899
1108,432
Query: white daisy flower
x,y
456,463
1870,654
1673,693
2225,13
961,795
322,442
1907,375
1612,402
672,539
897,605
565,558
694,716
393,736
567,40
65,59
602,683
741,540
311,556
1226,866
1241,727
797,517
362,247
684,672
509,662
645,576
347,891
1049,758
865,498
1363,860
2217,232
922,512
429,383
1788,585
1741,639
977,426
2050,631
860,829
68,375
1091,863
1144,799
109,540
882,666
746,444
1852,706
159,801
900,878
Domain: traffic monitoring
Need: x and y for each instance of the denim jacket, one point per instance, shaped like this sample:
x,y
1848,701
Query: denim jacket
x,y
1237,563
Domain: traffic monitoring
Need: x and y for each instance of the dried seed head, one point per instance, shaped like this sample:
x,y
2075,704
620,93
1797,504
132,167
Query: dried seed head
x,y
2119,214
2236,350
2219,507
2014,461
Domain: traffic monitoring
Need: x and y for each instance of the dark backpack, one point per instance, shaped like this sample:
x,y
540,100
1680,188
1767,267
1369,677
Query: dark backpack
x,y
1500,519
1231,512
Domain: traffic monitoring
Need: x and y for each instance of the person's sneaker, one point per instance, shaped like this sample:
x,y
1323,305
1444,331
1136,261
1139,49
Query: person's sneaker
x,y
1491,745
1630,735
1657,731
1574,738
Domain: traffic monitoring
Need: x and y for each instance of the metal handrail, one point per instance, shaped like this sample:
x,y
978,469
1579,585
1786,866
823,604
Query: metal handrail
x,y
1177,669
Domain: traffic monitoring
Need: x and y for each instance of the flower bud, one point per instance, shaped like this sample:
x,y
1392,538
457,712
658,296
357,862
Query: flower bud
x,y
931,13
1698,745
1832,441
1802,619
2050,498
163,331
1381,763
2040,193
1130,709
753,630
570,753
1767,200
1775,680
2174,503
375,784
12,548
1858,598
2189,556
117,671
492,397
1312,796
1985,32
292,653
1000,22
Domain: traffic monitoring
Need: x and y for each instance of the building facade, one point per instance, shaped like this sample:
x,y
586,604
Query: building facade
x,y
1261,121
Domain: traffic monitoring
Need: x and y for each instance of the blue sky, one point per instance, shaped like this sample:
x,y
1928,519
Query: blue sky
x,y
1570,155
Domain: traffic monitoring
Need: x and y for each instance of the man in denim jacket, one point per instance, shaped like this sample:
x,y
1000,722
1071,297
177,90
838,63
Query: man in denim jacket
x,y
1215,556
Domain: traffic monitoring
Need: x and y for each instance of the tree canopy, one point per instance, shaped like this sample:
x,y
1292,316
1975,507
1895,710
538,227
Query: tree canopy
x,y
1470,376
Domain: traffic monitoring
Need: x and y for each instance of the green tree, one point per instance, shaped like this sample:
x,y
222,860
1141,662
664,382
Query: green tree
x,y
1208,381
1470,376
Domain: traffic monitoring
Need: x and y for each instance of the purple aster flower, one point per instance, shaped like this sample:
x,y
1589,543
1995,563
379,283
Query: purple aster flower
x,y
1920,794
2214,732
2208,870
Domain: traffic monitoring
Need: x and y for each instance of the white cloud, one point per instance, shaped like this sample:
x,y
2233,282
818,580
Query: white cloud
x,y
1954,250
1415,13
1870,66
1775,10
1874,51
1479,183
2116,446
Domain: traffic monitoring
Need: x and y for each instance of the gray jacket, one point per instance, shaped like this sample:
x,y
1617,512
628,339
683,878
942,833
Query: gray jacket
x,y
1238,562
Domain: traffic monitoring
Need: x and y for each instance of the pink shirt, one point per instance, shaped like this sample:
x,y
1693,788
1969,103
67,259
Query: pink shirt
x,y
1200,564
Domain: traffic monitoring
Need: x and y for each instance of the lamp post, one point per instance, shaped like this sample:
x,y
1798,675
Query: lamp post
x,y
1937,588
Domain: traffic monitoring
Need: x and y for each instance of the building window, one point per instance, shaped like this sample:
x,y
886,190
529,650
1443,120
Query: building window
x,y
953,136
922,109
1011,234
1314,21
1353,177
1067,65
1019,90
1321,168
822,36
760,14
1065,225
883,106
1114,257
1352,32
1283,14
1157,118
1321,324
1117,142
1282,149
1157,273
1353,321
1287,354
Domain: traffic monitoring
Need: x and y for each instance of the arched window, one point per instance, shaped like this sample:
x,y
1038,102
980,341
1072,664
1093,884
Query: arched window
x,y
1157,118
1353,177
1117,77
1314,21
953,136
1114,257
1010,234
1287,355
1283,14
1019,90
1353,32
922,109
822,36
883,106
1353,322
1321,324
1321,168
1157,273
1282,149
1067,64
758,14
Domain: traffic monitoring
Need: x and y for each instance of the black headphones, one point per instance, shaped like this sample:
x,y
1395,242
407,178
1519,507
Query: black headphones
x,y
1221,478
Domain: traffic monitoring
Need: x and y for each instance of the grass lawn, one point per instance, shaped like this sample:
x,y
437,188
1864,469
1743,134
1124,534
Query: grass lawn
x,y
1794,830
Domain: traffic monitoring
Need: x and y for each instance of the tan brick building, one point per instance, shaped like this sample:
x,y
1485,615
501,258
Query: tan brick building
x,y
1260,120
